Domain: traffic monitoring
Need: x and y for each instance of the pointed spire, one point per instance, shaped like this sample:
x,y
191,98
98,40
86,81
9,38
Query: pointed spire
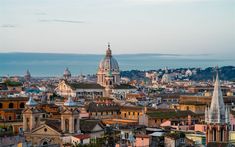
x,y
27,72
108,51
217,108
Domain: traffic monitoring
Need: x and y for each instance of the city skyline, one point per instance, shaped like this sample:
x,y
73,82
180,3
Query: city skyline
x,y
132,26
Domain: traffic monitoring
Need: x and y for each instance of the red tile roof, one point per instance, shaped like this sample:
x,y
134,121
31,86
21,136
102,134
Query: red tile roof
x,y
82,136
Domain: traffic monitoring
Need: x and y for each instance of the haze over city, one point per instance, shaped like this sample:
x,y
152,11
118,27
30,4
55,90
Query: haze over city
x,y
132,26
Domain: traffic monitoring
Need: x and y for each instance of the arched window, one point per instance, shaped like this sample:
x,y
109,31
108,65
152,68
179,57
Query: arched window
x,y
214,134
21,105
11,105
222,134
66,125
0,105
45,143
75,124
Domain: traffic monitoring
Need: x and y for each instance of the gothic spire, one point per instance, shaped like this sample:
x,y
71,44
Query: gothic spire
x,y
217,108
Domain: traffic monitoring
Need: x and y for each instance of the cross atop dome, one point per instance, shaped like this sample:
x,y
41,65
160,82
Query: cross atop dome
x,y
108,51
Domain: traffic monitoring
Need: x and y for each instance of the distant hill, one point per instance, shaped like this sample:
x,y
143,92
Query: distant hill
x,y
226,73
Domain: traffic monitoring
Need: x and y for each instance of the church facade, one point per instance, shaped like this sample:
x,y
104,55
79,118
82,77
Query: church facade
x,y
48,131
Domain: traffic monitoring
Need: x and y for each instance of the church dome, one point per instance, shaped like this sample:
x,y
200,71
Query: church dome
x,y
67,72
109,63
31,102
166,78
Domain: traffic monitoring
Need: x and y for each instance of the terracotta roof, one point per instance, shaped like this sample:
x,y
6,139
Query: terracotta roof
x,y
142,136
169,114
54,124
14,99
84,85
137,108
218,144
87,126
97,107
82,136
177,135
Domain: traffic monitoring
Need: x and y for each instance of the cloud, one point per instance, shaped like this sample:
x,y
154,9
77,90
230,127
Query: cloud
x,y
8,26
61,20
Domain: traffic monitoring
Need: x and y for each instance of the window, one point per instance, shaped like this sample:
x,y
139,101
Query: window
x,y
18,117
21,105
9,118
66,125
182,140
11,105
214,134
45,143
75,125
0,105
222,134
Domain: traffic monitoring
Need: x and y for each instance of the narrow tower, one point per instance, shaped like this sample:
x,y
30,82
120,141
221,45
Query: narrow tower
x,y
31,116
70,117
217,116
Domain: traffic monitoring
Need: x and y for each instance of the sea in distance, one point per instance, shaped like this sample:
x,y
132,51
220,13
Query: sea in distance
x,y
50,64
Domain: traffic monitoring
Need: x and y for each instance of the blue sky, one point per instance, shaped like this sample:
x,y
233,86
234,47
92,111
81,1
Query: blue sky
x,y
132,26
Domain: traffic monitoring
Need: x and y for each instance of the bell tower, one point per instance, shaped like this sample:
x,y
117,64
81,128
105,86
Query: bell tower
x,y
70,122
217,116
31,115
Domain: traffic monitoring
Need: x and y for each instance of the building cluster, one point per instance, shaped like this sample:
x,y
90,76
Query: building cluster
x,y
110,110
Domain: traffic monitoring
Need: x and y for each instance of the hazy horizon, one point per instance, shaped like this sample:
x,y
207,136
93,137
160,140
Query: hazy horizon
x,y
45,64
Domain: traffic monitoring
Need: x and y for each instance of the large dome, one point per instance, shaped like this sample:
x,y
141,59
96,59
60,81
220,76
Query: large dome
x,y
109,63
108,71
67,72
